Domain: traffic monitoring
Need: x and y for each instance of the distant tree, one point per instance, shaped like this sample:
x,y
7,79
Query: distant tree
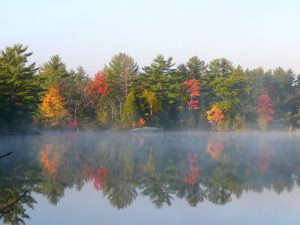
x,y
194,68
152,101
19,88
192,87
52,72
232,92
120,72
95,92
264,110
220,67
215,115
53,107
129,114
283,90
161,78
72,90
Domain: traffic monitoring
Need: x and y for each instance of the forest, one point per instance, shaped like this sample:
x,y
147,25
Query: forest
x,y
194,95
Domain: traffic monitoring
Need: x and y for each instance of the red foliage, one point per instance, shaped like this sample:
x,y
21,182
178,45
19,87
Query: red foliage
x,y
264,107
142,122
74,123
99,178
215,148
192,88
192,176
193,104
97,86
100,84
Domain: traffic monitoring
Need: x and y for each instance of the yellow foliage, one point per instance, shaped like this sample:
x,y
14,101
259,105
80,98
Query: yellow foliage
x,y
53,105
215,114
153,101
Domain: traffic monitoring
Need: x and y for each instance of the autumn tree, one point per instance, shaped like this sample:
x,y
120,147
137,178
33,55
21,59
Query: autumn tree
x,y
94,94
215,115
153,102
53,107
129,114
264,109
192,88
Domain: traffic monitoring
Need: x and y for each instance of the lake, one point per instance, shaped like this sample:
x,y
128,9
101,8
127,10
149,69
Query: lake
x,y
150,178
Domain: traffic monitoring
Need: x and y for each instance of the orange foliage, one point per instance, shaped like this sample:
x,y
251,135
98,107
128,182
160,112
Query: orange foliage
x,y
215,114
192,88
49,159
53,105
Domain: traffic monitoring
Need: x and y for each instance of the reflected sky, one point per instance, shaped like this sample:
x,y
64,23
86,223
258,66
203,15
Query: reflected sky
x,y
152,178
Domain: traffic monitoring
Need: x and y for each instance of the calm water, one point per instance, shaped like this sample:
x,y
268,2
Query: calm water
x,y
160,178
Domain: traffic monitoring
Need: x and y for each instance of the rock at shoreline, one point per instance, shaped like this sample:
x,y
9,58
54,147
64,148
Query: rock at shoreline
x,y
146,130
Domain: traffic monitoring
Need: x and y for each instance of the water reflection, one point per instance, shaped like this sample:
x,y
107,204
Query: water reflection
x,y
162,167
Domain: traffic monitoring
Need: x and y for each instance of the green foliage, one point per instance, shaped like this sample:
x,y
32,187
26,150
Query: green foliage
x,y
120,73
19,88
159,93
129,113
52,72
231,90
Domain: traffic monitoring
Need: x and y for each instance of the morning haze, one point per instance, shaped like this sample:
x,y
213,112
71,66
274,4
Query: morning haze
x,y
149,112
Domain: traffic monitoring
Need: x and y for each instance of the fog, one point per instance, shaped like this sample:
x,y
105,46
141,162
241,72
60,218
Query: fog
x,y
162,167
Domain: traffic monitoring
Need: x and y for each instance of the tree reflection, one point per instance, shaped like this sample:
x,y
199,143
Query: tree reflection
x,y
161,167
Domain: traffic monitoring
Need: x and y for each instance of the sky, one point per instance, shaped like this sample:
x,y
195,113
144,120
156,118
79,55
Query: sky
x,y
250,33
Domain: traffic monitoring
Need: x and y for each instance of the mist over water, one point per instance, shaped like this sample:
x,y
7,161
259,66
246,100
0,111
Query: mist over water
x,y
158,173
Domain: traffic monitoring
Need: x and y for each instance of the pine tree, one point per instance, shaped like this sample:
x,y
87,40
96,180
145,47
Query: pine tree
x,y
19,88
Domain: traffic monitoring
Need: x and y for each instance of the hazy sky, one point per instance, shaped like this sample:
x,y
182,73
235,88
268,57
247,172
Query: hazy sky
x,y
251,33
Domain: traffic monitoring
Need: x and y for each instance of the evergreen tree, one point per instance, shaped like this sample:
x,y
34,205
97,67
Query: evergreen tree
x,y
119,72
52,72
19,88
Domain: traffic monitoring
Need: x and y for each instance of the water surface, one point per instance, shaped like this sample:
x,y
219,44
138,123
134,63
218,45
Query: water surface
x,y
154,178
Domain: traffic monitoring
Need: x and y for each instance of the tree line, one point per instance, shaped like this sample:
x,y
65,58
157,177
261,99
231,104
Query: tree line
x,y
196,95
